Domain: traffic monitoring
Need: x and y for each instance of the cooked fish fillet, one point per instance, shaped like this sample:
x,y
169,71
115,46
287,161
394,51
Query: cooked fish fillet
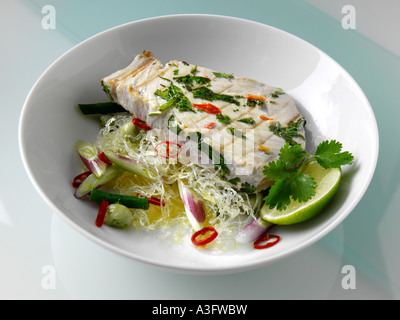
x,y
226,122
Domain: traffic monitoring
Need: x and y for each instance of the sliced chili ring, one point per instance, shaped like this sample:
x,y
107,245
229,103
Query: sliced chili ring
x,y
263,242
140,123
197,237
168,144
80,178
101,214
103,157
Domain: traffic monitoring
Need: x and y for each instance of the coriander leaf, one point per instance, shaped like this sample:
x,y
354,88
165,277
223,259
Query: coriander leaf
x,y
290,181
329,155
279,195
302,187
296,185
276,170
292,155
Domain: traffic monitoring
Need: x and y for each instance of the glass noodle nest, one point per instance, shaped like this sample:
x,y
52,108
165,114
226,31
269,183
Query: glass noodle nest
x,y
227,210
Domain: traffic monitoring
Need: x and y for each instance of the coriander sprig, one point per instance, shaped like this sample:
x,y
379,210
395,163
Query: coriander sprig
x,y
287,172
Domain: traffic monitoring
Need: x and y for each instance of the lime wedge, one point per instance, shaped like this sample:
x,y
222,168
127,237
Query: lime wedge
x,y
327,181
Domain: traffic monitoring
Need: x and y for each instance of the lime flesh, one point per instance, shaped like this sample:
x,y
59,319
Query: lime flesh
x,y
327,181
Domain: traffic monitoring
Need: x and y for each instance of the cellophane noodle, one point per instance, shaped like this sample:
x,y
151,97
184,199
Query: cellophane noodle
x,y
227,210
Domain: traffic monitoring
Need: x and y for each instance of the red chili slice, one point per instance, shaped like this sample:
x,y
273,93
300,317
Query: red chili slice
x,y
168,143
156,201
207,107
262,117
140,123
103,157
101,213
203,241
263,242
210,125
255,97
80,178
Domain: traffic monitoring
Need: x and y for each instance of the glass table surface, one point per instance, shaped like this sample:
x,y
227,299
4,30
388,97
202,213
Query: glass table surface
x,y
35,243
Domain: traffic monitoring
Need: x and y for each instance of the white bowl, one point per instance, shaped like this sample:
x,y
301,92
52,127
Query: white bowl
x,y
331,101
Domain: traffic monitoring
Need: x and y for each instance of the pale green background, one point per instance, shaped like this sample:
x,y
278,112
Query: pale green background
x,y
31,237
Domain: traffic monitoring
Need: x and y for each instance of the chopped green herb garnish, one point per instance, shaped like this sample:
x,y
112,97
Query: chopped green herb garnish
x,y
189,80
165,79
155,113
194,70
248,188
164,94
185,63
175,98
223,75
253,103
277,93
248,120
290,132
235,132
184,103
176,71
173,126
107,90
216,158
208,94
223,119
169,104
234,181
